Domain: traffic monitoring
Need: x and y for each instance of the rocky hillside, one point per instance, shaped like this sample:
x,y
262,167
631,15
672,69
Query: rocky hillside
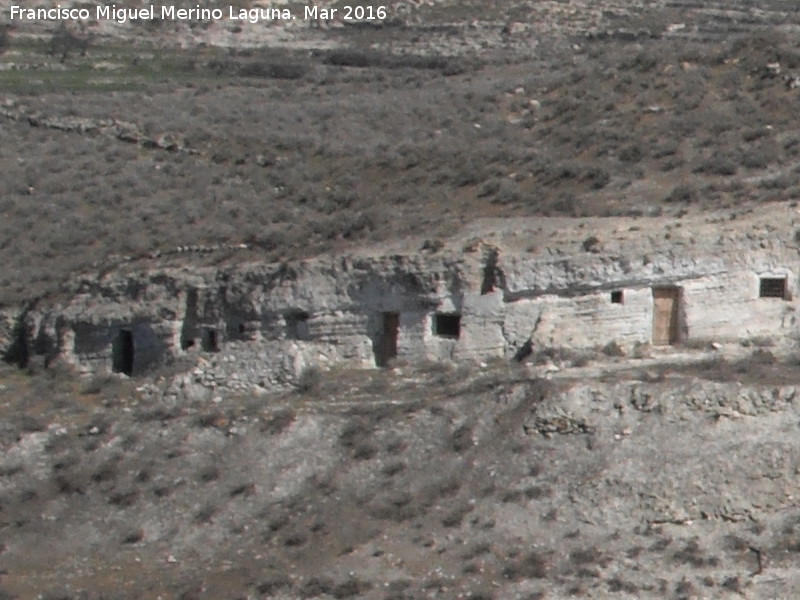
x,y
347,135
482,483
577,475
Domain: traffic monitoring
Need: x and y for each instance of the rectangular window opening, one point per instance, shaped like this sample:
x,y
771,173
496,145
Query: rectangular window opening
x,y
617,297
209,341
238,329
772,287
447,325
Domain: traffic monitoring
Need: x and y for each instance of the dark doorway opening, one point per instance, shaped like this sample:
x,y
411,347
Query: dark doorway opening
x,y
387,344
189,327
297,325
617,297
122,352
447,325
18,353
209,341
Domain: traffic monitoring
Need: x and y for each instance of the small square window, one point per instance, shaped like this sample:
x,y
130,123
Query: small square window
x,y
617,297
772,287
447,325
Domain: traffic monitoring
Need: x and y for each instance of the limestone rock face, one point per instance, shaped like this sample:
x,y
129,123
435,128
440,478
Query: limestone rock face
x,y
261,325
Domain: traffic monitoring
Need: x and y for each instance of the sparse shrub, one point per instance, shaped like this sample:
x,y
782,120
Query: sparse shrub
x,y
693,555
588,557
631,154
596,177
212,419
355,433
592,244
461,439
278,522
54,595
397,507
365,450
763,357
317,586
476,549
245,489
273,583
490,188
682,193
534,565
309,381
732,584
351,588
642,350
757,158
11,470
763,341
31,424
133,537
616,584
107,472
537,492
470,568
124,499
354,58
783,181
273,70
672,163
208,474
507,194
754,133
295,539
685,589
696,344
642,62
158,413
664,149
278,422
393,468
511,496
455,517
717,165
64,42
612,348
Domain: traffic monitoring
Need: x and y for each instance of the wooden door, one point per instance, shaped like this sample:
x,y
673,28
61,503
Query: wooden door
x,y
665,315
